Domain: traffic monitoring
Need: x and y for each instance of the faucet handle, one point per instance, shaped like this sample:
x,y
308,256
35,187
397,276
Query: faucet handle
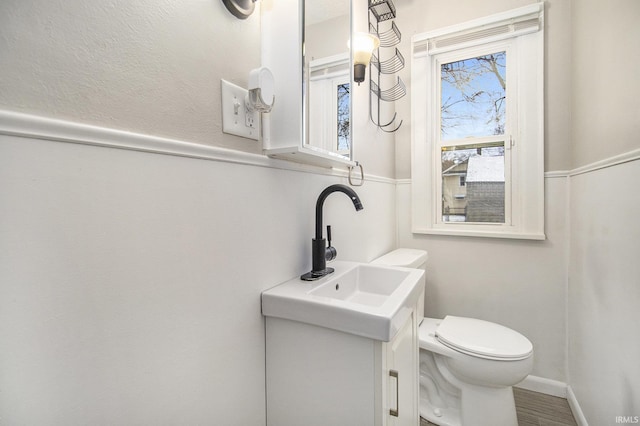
x,y
330,252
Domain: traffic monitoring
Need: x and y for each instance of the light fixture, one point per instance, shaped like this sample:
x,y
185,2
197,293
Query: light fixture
x,y
363,46
241,9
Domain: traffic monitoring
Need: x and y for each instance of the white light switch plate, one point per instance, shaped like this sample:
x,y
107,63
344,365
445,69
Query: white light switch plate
x,y
236,120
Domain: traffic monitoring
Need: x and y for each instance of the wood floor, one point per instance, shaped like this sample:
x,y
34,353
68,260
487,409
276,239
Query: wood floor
x,y
537,409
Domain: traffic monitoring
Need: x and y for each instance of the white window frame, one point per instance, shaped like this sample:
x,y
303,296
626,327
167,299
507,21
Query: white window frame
x,y
326,74
336,82
520,33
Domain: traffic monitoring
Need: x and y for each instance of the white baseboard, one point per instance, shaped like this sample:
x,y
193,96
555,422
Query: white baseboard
x,y
542,385
575,408
555,388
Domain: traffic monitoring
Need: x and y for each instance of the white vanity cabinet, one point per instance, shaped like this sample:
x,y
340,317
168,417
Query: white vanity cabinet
x,y
317,376
400,369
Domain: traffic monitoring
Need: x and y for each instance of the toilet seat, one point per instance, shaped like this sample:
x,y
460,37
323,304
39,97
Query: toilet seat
x,y
483,339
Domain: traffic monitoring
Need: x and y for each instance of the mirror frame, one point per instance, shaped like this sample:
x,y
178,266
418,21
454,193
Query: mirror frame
x,y
306,80
282,53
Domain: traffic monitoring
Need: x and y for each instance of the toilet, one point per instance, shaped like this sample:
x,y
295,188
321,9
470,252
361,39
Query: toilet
x,y
467,366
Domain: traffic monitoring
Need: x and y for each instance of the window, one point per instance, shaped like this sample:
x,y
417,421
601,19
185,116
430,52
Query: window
x,y
343,107
330,104
477,163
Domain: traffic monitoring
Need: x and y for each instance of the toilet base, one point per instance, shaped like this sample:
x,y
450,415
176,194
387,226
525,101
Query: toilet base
x,y
481,406
487,406
443,416
439,399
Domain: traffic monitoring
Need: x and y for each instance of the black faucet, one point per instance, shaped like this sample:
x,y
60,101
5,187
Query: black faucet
x,y
320,253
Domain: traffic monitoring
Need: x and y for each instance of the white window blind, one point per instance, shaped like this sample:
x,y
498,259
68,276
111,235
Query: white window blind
x,y
514,23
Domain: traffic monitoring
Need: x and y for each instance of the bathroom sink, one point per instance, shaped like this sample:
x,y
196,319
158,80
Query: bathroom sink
x,y
364,285
362,299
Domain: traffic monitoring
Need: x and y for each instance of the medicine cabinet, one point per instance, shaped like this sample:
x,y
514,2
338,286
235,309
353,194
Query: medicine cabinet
x,y
305,45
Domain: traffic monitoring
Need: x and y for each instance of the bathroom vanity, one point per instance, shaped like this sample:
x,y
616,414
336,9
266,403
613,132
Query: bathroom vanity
x,y
343,350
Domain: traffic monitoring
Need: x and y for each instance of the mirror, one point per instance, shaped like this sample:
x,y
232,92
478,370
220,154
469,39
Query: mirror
x,y
327,76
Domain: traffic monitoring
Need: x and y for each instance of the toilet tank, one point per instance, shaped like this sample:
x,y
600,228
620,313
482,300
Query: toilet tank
x,y
406,258
403,257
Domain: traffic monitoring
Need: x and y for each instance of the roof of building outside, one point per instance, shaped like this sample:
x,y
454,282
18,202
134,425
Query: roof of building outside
x,y
485,169
456,169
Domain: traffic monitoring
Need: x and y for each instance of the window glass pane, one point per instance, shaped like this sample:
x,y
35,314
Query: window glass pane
x,y
473,96
343,117
473,183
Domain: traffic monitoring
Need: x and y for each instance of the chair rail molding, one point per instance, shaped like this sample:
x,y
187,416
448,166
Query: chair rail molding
x,y
48,129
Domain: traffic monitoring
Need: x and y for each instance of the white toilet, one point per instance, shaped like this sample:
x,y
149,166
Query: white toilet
x,y
467,366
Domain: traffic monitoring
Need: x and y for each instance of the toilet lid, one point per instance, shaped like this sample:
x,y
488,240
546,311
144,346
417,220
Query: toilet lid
x,y
483,339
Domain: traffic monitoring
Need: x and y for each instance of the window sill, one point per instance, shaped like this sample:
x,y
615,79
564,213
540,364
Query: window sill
x,y
479,233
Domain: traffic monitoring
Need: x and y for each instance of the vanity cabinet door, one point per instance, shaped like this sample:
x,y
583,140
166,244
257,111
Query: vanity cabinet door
x,y
403,376
316,376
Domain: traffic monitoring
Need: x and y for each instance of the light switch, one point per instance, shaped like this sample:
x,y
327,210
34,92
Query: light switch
x,y
236,118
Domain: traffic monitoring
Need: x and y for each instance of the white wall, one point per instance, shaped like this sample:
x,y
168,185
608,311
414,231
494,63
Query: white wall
x,y
574,295
374,148
521,284
604,283
130,281
604,293
125,292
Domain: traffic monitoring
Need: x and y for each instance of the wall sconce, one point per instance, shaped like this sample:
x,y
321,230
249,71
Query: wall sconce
x,y
241,9
363,46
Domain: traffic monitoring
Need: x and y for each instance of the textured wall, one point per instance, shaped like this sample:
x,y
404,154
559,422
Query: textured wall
x,y
145,66
415,17
130,282
605,113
